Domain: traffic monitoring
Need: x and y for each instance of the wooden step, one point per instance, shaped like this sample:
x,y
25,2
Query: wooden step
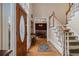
x,y
73,42
74,47
70,33
74,54
73,37
74,50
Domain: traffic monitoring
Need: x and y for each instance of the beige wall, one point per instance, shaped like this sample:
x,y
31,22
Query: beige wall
x,y
46,9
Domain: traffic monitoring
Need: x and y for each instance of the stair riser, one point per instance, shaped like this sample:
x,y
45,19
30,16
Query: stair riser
x,y
72,38
73,43
70,34
75,54
74,51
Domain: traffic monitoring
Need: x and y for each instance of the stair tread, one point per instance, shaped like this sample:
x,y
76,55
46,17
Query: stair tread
x,y
72,36
74,50
74,40
74,47
74,54
69,32
73,43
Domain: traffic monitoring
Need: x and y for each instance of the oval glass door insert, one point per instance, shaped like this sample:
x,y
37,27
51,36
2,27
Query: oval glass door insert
x,y
22,28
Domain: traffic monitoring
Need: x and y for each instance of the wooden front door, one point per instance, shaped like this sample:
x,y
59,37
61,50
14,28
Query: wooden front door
x,y
21,42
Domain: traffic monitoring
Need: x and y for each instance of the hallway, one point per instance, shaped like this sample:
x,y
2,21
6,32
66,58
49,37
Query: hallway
x,y
33,51
57,31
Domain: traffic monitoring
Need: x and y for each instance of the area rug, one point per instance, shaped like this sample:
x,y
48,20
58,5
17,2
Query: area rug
x,y
43,48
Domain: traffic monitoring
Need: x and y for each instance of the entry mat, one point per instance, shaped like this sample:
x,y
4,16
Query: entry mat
x,y
43,48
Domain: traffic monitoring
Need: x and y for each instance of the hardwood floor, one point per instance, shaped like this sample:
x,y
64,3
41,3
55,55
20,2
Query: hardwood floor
x,y
33,51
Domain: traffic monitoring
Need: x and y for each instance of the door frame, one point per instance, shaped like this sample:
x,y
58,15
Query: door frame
x,y
47,22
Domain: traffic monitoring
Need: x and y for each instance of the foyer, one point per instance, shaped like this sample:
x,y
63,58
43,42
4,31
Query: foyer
x,y
39,29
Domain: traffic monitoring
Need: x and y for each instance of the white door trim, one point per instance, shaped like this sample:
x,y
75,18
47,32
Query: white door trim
x,y
46,22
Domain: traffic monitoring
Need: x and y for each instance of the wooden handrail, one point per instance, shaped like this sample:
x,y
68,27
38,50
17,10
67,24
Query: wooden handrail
x,y
63,27
70,5
53,14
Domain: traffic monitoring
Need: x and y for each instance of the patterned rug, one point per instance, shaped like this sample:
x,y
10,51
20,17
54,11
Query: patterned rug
x,y
43,48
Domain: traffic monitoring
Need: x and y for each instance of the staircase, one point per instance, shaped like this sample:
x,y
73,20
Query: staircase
x,y
72,23
72,43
